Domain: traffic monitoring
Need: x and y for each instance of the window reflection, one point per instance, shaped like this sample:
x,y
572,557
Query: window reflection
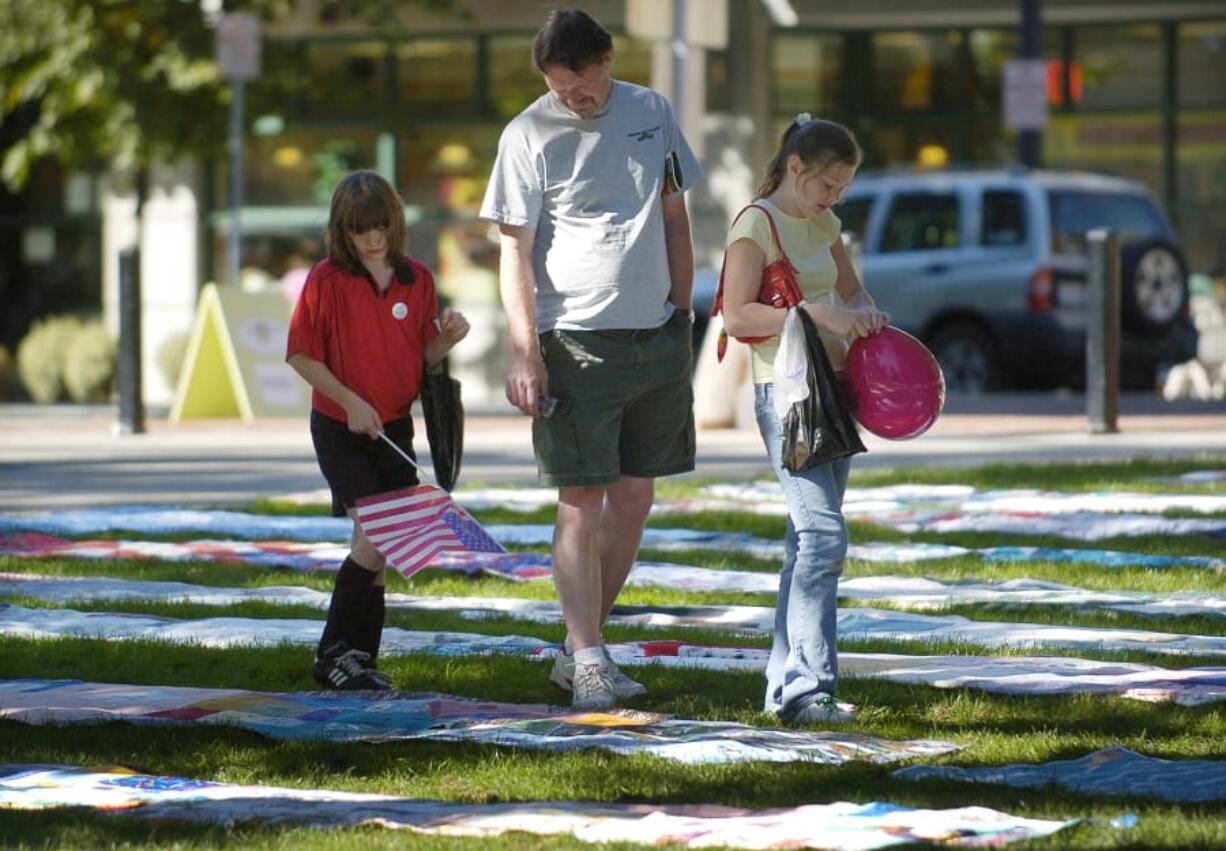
x,y
514,83
916,71
1202,64
806,70
1128,144
345,79
301,166
436,78
1121,66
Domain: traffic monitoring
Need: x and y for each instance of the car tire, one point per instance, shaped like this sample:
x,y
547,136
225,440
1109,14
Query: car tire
x,y
968,357
1154,279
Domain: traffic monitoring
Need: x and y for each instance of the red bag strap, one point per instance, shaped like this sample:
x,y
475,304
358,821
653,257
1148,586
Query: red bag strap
x,y
718,305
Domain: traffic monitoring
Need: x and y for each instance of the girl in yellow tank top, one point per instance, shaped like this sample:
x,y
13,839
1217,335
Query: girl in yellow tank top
x,y
815,163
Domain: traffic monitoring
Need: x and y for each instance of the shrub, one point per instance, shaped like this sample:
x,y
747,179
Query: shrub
x,y
8,373
90,363
40,357
170,355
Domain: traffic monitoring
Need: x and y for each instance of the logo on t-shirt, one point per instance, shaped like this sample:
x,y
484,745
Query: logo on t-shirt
x,y
400,310
644,135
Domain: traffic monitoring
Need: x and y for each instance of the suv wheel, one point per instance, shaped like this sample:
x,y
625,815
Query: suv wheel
x,y
968,358
1155,284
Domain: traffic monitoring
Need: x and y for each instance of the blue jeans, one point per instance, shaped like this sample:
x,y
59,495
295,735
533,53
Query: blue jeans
x,y
804,660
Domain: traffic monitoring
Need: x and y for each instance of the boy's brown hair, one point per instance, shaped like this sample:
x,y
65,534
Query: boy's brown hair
x,y
362,201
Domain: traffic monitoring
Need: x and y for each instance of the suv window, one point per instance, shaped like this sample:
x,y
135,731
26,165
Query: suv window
x,y
921,221
853,213
1073,212
1004,218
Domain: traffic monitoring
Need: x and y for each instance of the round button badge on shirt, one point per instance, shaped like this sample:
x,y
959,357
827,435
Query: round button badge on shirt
x,y
400,310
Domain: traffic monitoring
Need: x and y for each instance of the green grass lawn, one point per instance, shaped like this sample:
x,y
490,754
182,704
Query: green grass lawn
x,y
995,729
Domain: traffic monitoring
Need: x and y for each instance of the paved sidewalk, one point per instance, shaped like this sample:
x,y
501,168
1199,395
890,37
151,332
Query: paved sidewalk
x,y
72,457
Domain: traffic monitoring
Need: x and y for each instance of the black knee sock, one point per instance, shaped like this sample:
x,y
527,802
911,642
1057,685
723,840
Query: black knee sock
x,y
345,612
368,632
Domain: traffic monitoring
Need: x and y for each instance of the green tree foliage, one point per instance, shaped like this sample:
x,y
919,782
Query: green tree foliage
x,y
126,81
94,80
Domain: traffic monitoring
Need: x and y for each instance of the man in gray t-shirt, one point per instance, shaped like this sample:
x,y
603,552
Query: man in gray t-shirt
x,y
596,275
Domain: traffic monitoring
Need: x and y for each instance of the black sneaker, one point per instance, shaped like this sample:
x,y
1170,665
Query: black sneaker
x,y
345,668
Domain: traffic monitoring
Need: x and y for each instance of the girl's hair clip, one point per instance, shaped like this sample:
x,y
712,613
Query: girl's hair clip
x,y
802,118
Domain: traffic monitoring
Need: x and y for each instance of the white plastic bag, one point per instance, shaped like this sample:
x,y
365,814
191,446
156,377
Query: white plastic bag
x,y
791,365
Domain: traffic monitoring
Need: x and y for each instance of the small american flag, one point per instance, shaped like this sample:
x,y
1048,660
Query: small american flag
x,y
412,526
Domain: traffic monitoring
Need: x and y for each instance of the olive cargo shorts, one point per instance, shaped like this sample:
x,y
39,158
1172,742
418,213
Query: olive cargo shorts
x,y
625,405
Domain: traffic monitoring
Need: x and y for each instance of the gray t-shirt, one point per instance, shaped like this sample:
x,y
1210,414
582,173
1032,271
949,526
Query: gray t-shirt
x,y
592,190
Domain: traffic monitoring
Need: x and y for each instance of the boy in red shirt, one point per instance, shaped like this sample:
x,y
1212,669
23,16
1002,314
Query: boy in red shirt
x,y
365,323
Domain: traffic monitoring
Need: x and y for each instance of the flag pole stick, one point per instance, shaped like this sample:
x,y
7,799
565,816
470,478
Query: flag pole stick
x,y
401,452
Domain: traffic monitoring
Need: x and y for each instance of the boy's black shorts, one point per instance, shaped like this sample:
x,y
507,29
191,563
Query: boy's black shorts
x,y
357,466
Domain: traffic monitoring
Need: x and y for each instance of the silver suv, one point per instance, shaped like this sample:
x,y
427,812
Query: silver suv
x,y
988,268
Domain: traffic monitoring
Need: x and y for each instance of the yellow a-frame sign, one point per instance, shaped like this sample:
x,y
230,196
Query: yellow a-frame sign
x,y
235,361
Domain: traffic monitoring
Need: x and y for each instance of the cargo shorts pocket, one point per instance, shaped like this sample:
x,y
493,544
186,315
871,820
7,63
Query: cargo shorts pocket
x,y
556,443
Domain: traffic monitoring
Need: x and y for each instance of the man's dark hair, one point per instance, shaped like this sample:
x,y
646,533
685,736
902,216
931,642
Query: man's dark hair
x,y
570,38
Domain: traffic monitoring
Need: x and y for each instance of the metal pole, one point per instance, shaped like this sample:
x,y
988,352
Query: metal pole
x,y
1030,142
235,236
131,405
1103,331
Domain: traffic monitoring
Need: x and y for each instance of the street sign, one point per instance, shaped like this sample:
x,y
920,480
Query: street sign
x,y
238,46
1025,94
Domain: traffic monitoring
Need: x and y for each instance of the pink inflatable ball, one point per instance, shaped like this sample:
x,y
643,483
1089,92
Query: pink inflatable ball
x,y
895,385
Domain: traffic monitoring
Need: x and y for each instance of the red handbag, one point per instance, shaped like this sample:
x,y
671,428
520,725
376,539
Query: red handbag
x,y
779,287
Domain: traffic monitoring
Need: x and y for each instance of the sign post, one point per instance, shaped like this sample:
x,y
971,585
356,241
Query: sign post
x,y
238,57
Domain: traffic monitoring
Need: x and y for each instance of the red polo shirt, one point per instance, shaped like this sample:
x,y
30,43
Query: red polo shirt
x,y
371,341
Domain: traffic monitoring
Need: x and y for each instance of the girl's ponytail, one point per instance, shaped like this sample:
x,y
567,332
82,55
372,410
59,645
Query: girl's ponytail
x,y
818,143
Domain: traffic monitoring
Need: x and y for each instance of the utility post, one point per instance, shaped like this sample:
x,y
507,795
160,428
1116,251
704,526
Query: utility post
x,y
129,380
1025,88
1103,331
238,57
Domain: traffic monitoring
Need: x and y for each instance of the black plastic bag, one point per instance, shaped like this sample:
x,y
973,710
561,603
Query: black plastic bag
x,y
820,427
443,411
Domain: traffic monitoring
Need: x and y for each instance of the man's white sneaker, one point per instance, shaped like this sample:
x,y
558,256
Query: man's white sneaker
x,y
563,670
563,673
591,687
623,686
825,710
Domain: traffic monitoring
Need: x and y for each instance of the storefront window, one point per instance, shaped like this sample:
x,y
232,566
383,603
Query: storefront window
x,y
1202,65
443,172
632,62
300,166
436,78
345,79
515,83
1121,67
1201,211
719,92
930,143
1128,144
916,72
806,73
280,90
